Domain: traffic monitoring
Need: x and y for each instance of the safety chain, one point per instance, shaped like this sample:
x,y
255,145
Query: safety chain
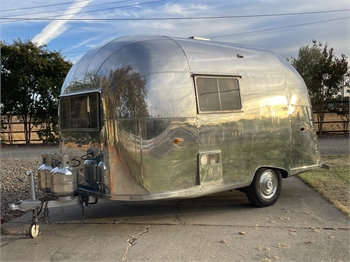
x,y
83,203
82,209
45,216
46,213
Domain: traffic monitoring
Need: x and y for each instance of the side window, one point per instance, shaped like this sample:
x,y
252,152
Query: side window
x,y
80,113
218,93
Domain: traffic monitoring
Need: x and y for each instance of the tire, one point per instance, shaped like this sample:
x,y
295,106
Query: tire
x,y
266,187
34,230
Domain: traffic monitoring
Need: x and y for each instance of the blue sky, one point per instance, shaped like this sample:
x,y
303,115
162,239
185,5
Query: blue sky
x,y
282,26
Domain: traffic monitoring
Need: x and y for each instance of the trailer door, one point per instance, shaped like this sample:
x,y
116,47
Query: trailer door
x,y
218,102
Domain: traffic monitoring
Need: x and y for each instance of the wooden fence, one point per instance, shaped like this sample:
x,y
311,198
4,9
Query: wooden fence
x,y
13,131
333,124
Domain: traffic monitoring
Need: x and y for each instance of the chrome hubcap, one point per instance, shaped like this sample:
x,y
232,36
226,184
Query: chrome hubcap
x,y
268,184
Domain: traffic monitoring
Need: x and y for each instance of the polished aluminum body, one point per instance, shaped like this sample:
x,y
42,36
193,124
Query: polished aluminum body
x,y
153,132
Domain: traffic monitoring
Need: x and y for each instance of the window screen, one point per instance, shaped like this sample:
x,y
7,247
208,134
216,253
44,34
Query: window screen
x,y
218,94
80,112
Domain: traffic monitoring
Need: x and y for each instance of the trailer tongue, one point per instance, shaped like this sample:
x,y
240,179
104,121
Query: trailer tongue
x,y
57,181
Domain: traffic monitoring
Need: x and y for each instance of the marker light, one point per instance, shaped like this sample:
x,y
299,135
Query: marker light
x,y
178,141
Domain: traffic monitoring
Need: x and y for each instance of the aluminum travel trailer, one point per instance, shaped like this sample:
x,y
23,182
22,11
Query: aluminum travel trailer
x,y
154,117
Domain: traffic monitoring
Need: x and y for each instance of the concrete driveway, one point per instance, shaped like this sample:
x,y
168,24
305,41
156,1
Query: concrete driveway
x,y
301,226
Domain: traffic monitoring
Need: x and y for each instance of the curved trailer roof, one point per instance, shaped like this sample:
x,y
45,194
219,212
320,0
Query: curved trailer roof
x,y
151,54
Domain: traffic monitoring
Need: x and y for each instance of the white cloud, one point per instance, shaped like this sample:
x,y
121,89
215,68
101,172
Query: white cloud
x,y
285,41
57,27
153,24
185,9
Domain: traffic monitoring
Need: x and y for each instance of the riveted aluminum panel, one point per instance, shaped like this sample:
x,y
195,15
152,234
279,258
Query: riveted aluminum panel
x,y
149,104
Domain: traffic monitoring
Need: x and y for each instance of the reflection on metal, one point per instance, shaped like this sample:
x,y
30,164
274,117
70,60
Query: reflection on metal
x,y
44,172
154,141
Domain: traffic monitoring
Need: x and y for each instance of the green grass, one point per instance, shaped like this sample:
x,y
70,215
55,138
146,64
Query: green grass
x,y
332,184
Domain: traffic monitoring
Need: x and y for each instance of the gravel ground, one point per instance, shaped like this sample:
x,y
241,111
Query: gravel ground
x,y
334,145
15,161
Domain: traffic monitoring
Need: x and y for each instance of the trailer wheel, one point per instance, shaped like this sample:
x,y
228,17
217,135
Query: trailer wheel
x,y
34,230
265,188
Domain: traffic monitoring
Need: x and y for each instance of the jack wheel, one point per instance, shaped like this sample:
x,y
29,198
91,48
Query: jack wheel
x,y
34,230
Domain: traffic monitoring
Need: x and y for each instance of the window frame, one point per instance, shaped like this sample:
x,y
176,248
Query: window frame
x,y
98,111
217,77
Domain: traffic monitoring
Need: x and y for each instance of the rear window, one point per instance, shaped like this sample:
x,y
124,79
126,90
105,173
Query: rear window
x,y
218,93
80,112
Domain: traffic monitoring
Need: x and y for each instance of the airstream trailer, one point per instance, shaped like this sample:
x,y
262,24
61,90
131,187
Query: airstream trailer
x,y
154,117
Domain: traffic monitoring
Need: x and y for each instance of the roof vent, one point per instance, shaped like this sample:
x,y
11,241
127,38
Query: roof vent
x,y
199,38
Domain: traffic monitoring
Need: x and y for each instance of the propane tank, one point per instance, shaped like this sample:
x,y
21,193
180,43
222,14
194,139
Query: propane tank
x,y
44,176
90,166
63,180
102,173
54,160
